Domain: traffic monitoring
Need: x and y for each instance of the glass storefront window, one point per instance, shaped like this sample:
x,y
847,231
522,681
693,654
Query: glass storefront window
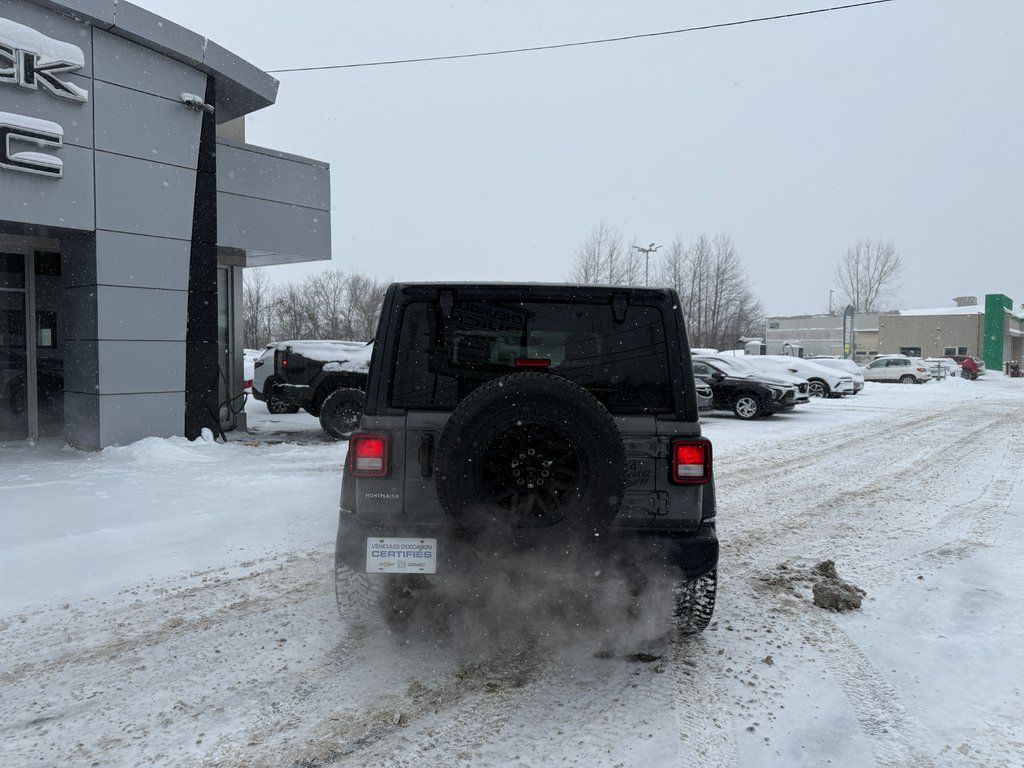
x,y
12,270
13,358
31,345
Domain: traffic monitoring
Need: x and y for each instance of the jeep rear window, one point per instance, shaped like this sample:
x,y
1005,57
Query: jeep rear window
x,y
441,360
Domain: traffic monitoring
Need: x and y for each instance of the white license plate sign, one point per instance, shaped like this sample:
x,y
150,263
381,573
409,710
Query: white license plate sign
x,y
391,555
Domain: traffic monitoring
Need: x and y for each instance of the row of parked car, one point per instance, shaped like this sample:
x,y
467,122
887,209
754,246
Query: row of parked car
x,y
754,386
915,370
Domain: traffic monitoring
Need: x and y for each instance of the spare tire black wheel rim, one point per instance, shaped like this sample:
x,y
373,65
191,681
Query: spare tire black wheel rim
x,y
500,440
532,471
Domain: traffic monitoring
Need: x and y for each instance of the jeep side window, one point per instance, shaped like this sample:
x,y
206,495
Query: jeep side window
x,y
441,360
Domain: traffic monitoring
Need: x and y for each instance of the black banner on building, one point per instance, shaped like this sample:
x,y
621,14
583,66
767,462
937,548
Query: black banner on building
x,y
848,331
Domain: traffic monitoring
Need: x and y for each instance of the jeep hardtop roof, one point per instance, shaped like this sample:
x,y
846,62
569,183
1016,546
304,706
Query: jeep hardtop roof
x,y
617,299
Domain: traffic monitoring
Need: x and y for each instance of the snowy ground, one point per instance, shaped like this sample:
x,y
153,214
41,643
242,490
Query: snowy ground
x,y
170,603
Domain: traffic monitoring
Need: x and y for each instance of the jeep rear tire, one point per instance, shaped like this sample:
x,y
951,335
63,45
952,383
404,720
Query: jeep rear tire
x,y
531,450
694,603
340,412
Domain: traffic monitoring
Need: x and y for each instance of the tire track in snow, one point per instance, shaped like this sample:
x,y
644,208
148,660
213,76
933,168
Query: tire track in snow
x,y
409,718
705,725
876,703
170,613
986,515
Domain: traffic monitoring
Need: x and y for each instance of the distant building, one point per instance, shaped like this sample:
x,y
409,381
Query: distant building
x,y
993,331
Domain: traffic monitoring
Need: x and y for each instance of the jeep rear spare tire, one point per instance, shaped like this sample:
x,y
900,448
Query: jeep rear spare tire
x,y
531,450
340,412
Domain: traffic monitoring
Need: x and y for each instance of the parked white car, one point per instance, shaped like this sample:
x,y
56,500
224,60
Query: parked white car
x,y
900,368
845,365
736,365
248,366
824,381
948,365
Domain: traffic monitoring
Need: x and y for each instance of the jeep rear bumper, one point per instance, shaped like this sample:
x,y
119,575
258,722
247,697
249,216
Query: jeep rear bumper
x,y
692,554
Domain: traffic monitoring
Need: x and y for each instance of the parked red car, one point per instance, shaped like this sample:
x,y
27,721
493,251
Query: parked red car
x,y
970,367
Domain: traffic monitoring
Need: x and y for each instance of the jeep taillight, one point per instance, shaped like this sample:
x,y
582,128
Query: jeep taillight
x,y
280,359
691,461
368,455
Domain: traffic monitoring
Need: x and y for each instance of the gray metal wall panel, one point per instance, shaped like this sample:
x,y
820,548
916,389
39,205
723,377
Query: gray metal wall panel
x,y
74,117
57,26
141,262
81,367
148,127
131,367
296,233
127,418
282,179
145,314
66,202
143,197
122,62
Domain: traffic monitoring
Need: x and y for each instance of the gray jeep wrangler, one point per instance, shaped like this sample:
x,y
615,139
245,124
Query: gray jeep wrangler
x,y
508,424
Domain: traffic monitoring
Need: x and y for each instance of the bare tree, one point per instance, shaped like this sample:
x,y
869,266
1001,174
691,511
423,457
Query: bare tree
x,y
603,258
869,270
257,308
326,305
365,298
718,304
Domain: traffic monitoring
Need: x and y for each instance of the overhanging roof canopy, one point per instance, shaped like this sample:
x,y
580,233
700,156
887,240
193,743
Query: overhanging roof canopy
x,y
241,87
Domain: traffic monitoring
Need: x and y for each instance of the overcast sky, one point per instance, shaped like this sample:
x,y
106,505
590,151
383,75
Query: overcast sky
x,y
901,121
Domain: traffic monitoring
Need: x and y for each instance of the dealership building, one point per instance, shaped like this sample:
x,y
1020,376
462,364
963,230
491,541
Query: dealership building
x,y
129,205
992,330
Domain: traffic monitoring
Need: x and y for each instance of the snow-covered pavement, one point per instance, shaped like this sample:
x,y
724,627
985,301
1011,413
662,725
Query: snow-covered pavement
x,y
171,603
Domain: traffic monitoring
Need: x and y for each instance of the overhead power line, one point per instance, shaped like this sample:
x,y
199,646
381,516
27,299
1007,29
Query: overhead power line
x,y
580,43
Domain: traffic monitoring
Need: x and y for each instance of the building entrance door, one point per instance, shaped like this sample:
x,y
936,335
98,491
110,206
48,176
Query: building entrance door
x,y
31,350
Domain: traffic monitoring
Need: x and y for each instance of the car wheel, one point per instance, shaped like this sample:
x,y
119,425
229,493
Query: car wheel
x,y
818,388
340,412
280,406
746,407
907,379
274,404
694,603
531,450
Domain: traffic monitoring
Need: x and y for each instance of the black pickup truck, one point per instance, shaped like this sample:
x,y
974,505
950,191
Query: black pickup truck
x,y
326,378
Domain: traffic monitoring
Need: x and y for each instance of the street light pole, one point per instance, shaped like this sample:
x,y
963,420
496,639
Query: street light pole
x,y
830,301
647,259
